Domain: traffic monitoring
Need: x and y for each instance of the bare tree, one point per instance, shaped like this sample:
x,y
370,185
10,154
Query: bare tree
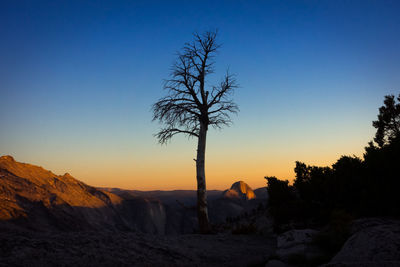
x,y
191,106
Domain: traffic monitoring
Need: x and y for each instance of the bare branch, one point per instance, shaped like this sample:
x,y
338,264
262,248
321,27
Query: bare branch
x,y
188,103
225,88
166,134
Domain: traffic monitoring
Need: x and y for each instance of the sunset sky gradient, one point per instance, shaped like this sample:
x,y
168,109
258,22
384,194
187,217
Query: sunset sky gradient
x,y
78,79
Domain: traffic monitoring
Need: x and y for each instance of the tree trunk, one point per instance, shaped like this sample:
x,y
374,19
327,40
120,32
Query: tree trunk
x,y
202,212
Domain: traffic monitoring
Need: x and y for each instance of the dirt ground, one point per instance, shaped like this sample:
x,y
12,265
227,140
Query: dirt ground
x,y
19,248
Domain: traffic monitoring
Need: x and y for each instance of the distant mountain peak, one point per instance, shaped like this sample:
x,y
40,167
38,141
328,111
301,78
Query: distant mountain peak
x,y
239,190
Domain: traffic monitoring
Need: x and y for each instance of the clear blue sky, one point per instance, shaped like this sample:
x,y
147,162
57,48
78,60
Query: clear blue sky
x,y
78,79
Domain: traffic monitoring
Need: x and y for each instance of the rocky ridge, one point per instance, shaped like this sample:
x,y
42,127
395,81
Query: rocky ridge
x,y
36,198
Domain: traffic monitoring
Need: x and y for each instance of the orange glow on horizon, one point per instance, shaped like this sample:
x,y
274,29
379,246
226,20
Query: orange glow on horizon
x,y
154,167
220,175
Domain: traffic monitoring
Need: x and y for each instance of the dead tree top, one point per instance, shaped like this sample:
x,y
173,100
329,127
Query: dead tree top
x,y
189,103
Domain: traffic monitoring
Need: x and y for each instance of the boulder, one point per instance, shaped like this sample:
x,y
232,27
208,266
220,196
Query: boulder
x,y
375,242
294,242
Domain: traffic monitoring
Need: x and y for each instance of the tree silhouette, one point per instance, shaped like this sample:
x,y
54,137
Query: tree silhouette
x,y
388,123
190,108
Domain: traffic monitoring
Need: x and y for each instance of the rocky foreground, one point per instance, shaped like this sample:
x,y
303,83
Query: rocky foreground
x,y
18,248
373,242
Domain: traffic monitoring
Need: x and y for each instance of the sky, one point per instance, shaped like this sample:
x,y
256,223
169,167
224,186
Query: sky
x,y
78,79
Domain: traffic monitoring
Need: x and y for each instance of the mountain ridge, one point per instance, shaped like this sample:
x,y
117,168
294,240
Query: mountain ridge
x,y
35,198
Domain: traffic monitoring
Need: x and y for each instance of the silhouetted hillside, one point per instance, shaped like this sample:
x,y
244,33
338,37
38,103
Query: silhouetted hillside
x,y
187,197
180,205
